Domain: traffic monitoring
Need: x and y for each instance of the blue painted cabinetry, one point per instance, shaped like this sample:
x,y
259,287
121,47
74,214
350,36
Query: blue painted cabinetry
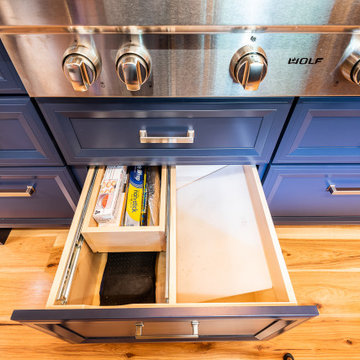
x,y
10,82
322,130
320,147
36,189
106,131
23,138
300,193
80,173
52,201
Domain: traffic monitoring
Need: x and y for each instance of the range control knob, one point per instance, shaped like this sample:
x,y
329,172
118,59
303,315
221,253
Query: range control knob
x,y
133,65
248,66
81,66
350,68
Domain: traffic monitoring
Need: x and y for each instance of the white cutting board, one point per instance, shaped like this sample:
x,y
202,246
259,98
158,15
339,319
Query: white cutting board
x,y
219,250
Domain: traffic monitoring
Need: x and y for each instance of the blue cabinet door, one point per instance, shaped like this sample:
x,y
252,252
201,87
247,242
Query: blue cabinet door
x,y
322,130
106,131
80,173
10,82
51,200
301,193
24,139
262,169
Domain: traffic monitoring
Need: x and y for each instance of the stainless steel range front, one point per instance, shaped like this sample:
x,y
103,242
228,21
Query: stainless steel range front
x,y
184,48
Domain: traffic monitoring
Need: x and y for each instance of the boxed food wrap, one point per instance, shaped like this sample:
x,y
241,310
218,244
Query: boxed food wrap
x,y
111,185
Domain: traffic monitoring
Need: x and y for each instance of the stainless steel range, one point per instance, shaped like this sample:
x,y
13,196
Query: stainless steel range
x,y
184,48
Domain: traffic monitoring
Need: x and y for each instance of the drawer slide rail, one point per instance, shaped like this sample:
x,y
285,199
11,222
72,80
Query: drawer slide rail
x,y
78,240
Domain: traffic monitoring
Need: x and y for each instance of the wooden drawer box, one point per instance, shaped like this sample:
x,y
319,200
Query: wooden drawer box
x,y
124,238
178,314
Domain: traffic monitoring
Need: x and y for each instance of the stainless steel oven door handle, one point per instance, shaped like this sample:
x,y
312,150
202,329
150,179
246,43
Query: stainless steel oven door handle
x,y
139,333
27,193
333,190
188,139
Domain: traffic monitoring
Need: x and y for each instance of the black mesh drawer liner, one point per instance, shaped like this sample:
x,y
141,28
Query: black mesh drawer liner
x,y
128,278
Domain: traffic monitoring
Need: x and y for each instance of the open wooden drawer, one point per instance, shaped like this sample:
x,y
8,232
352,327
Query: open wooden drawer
x,y
210,284
124,238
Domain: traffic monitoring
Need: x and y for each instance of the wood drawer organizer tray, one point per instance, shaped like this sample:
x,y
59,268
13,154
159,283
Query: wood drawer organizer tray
x,y
189,248
114,238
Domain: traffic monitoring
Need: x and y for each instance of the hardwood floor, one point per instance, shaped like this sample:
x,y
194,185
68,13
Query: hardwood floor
x,y
324,266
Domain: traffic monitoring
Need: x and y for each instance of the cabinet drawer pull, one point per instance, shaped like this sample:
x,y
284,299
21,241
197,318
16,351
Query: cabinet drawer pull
x,y
139,335
27,193
188,139
333,190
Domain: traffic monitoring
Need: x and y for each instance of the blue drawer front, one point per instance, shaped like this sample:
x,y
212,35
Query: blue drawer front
x,y
52,203
262,169
322,130
80,173
300,191
101,131
10,82
23,137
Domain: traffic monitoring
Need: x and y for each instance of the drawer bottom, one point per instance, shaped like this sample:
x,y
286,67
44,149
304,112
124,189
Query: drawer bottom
x,y
91,283
88,282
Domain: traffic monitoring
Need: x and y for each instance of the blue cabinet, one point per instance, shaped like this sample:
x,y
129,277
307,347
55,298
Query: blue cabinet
x,y
23,137
262,169
80,173
301,193
320,147
36,196
106,131
322,130
10,82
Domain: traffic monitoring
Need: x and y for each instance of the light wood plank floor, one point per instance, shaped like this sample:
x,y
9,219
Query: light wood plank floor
x,y
324,266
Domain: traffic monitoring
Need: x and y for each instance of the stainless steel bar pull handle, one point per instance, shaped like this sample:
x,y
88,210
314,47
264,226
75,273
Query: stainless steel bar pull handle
x,y
13,193
140,325
188,139
333,190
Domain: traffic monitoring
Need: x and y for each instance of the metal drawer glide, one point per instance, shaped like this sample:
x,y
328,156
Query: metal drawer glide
x,y
78,240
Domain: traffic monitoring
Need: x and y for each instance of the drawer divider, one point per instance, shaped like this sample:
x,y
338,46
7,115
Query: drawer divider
x,y
172,237
167,235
